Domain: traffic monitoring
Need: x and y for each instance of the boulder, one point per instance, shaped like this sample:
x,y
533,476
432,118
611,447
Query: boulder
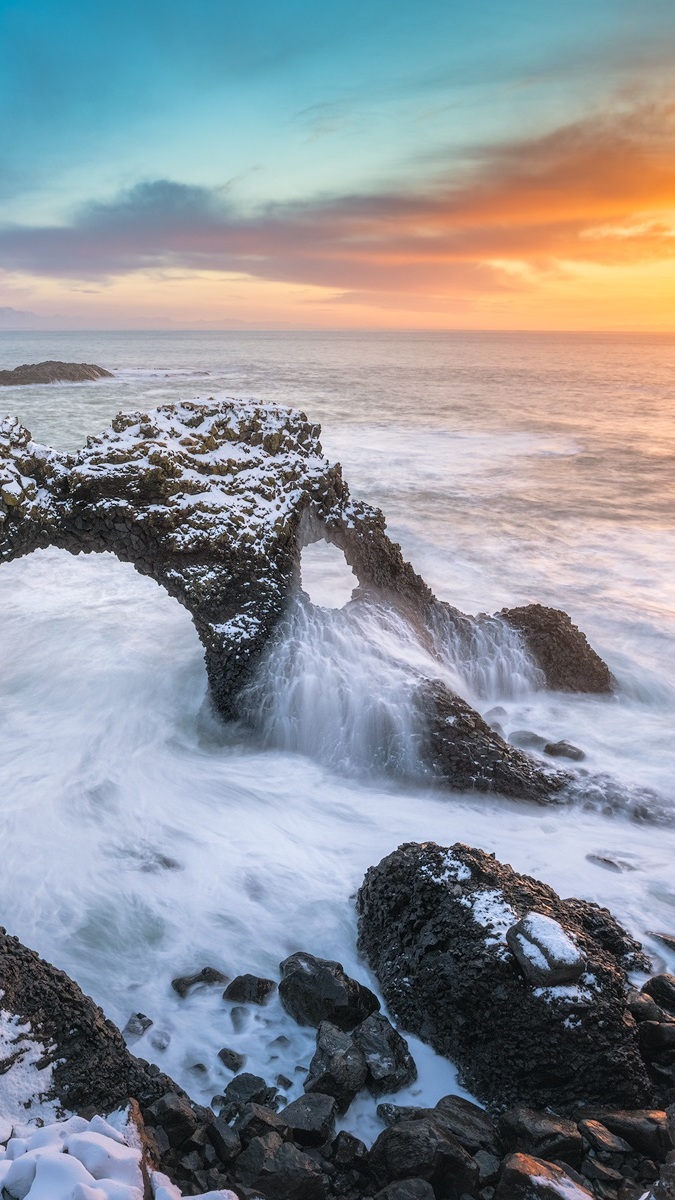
x,y
338,1067
662,989
424,1150
646,1130
52,371
407,1189
564,749
279,1170
232,1059
313,990
389,1062
560,649
473,1127
207,976
528,1178
249,989
543,1135
433,923
546,954
311,1119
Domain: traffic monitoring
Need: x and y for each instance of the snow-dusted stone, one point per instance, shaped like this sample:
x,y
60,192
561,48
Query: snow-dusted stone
x,y
433,924
527,1178
215,500
547,954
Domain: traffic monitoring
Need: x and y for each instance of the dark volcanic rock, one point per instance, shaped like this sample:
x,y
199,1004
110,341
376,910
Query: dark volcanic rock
x,y
560,649
564,750
432,925
247,1088
465,753
279,1170
232,1059
646,1130
542,1134
338,1067
92,1067
215,501
249,989
313,990
52,372
547,956
208,975
662,989
424,1149
407,1189
389,1061
527,1178
311,1119
473,1127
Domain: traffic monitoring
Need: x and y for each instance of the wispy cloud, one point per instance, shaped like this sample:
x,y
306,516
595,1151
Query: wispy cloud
x,y
601,191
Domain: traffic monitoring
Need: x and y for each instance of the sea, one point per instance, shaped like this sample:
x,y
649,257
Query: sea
x,y
142,839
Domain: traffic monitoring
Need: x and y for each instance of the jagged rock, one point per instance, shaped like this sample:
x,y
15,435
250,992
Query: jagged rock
x,y
311,1119
424,1149
432,924
488,1167
389,1062
662,989
279,1170
656,1039
249,989
348,1151
646,1130
473,1127
208,975
560,649
527,1178
91,1067
564,749
545,952
313,990
256,1120
136,1026
468,756
599,1137
247,1089
176,1117
543,1135
407,1189
225,1140
215,501
52,372
232,1059
338,1067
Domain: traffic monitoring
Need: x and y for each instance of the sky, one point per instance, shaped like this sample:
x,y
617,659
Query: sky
x,y
414,164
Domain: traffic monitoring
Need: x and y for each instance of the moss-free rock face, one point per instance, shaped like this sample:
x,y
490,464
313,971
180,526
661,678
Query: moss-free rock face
x,y
433,924
52,371
215,502
560,649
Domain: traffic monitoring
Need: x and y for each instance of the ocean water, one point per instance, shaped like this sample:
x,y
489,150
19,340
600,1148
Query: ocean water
x,y
141,839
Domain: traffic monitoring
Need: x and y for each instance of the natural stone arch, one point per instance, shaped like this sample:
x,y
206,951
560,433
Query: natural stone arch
x,y
214,501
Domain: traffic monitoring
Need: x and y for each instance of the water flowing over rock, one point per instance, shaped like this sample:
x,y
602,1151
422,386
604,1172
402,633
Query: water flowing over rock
x,y
434,925
215,502
52,371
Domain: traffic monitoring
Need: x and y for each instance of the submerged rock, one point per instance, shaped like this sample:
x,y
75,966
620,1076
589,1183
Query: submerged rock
x,y
433,924
52,371
215,502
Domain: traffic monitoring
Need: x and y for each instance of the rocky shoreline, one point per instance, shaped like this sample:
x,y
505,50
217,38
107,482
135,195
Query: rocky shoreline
x,y
528,994
52,371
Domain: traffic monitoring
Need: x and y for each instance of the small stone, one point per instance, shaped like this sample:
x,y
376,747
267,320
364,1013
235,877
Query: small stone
x,y
662,989
247,1088
174,1114
249,989
600,1138
527,1178
232,1059
564,750
207,976
136,1026
283,1082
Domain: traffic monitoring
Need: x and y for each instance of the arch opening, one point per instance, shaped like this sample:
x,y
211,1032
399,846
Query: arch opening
x,y
326,576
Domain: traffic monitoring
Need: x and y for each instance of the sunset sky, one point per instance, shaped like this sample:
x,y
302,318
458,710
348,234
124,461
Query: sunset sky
x,y
409,164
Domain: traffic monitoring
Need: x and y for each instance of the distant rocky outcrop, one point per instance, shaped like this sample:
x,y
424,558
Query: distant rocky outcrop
x,y
215,502
52,371
526,992
559,649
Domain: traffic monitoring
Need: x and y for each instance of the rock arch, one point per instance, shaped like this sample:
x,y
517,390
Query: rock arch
x,y
214,501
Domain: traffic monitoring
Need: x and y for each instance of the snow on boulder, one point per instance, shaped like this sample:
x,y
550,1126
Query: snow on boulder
x,y
437,927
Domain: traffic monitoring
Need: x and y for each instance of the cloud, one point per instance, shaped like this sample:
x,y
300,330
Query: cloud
x,y
599,192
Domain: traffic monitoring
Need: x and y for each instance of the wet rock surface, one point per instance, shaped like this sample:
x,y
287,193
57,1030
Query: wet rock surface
x,y
313,990
52,371
560,649
215,501
433,923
